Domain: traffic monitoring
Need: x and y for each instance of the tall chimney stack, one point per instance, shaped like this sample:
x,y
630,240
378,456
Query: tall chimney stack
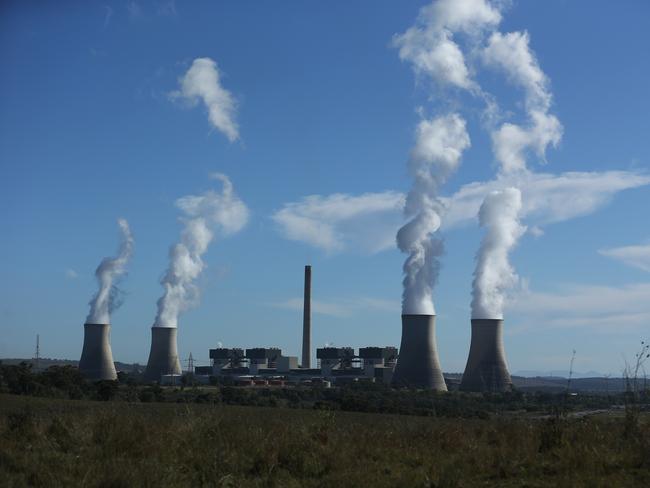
x,y
306,321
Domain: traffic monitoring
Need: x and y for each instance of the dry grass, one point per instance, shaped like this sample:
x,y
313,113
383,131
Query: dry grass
x,y
45,442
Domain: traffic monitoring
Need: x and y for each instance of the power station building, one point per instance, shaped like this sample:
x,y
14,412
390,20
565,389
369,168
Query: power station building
x,y
336,365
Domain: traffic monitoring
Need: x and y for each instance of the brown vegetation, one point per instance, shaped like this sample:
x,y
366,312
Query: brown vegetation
x,y
51,442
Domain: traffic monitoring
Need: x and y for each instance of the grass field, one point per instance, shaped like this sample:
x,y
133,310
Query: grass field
x,y
67,443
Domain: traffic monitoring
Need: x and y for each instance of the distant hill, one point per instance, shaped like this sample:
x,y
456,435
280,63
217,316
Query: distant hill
x,y
557,373
557,384
45,363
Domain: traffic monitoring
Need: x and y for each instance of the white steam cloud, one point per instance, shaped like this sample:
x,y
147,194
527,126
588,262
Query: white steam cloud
x,y
202,81
439,145
432,49
109,270
501,209
511,53
203,214
494,275
429,45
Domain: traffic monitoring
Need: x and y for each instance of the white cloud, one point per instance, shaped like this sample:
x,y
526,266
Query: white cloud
x,y
341,308
166,8
429,45
605,308
369,222
71,274
134,10
635,256
108,14
337,222
202,82
547,198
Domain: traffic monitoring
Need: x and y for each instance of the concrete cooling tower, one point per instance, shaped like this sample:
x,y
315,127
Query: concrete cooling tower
x,y
163,357
417,363
96,361
486,368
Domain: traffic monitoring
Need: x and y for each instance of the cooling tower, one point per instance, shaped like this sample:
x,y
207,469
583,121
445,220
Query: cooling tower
x,y
306,321
486,368
96,361
417,363
163,357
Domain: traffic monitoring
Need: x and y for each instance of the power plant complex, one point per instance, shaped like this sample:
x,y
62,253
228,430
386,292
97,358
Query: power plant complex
x,y
416,365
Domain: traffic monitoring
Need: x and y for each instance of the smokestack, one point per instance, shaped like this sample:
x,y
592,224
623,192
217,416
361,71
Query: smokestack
x,y
96,361
163,357
306,321
486,368
417,363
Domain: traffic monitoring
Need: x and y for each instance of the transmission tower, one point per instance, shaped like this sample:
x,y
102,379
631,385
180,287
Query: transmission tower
x,y
37,356
190,364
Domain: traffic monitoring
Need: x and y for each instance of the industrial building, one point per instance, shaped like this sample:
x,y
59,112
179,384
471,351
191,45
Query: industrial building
x,y
336,365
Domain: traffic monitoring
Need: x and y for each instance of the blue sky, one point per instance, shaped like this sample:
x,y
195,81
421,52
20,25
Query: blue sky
x,y
89,133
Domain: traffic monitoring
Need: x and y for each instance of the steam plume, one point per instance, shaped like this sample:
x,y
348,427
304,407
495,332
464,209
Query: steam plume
x,y
439,145
430,47
512,54
203,214
203,82
494,275
105,301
